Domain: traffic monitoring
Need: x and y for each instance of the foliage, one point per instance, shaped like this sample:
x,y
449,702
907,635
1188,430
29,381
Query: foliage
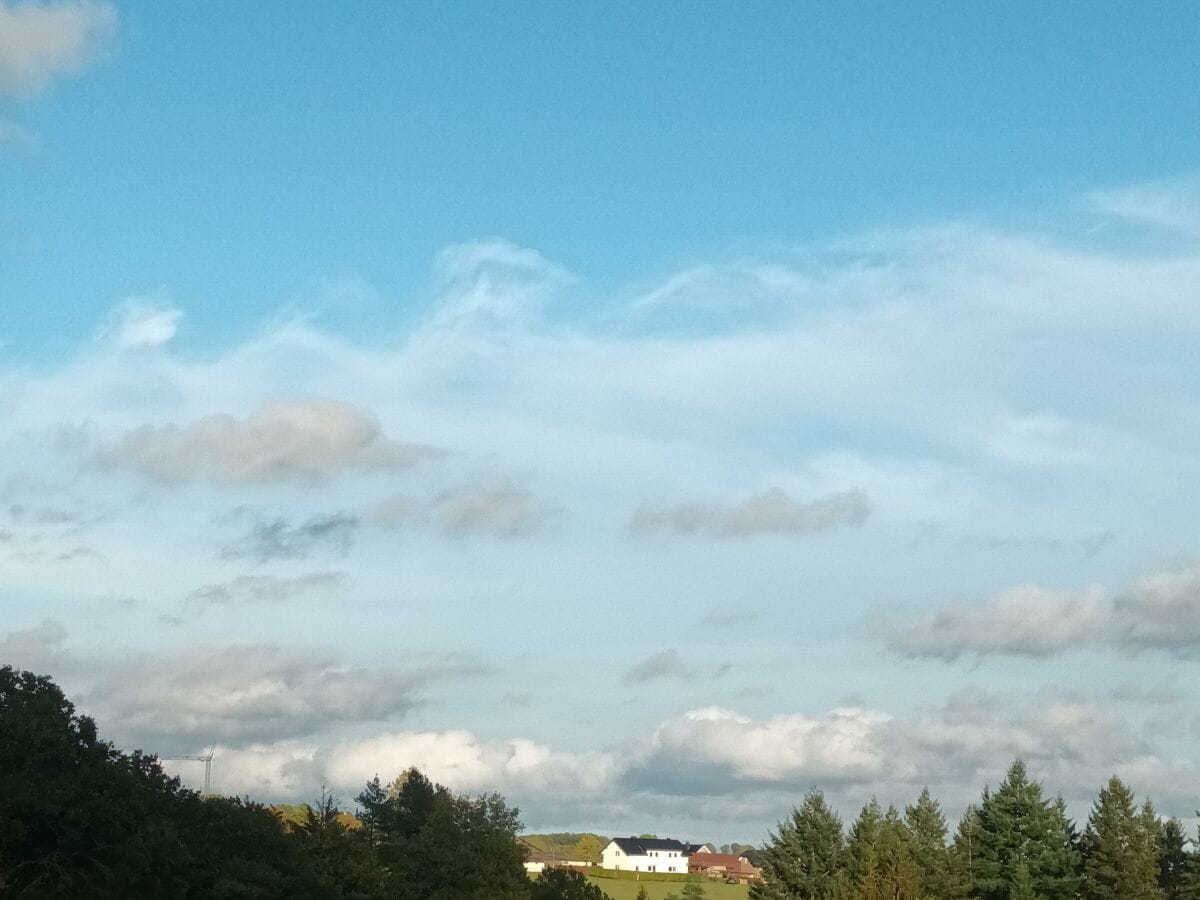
x,y
805,858
1121,849
564,884
79,818
588,848
1023,837
927,846
1175,864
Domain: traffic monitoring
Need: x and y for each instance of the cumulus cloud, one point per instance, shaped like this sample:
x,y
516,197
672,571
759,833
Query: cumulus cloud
x,y
1026,621
664,664
1074,742
311,441
233,692
1160,612
39,42
771,512
462,760
268,588
279,539
142,323
529,773
751,768
246,692
489,508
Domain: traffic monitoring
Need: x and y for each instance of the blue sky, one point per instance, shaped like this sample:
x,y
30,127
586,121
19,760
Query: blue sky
x,y
646,412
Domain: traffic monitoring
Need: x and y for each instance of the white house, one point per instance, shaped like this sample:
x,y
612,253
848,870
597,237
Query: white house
x,y
633,854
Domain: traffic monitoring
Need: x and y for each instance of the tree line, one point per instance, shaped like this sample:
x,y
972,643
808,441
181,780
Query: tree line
x,y
80,818
1014,844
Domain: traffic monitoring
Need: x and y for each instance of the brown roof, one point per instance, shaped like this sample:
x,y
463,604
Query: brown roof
x,y
728,861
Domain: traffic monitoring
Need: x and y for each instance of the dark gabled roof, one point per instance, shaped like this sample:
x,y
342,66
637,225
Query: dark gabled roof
x,y
633,846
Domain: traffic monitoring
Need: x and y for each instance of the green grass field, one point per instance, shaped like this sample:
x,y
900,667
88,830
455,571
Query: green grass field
x,y
627,890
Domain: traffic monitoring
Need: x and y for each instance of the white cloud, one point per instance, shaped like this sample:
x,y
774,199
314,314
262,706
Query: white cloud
x,y
839,745
493,284
309,441
718,765
1024,621
1160,612
235,693
142,323
41,41
1174,206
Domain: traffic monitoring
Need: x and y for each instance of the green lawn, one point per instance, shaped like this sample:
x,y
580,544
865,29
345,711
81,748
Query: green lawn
x,y
619,889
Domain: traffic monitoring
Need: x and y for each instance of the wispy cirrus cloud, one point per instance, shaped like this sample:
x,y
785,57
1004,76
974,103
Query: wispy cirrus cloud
x,y
771,512
268,588
278,538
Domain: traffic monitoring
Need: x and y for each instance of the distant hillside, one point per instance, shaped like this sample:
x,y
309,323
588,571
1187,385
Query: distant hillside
x,y
571,845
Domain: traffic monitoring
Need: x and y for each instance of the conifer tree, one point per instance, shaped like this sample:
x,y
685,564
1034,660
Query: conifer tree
x,y
862,853
804,858
1019,830
927,847
898,872
1022,883
1121,859
1173,859
964,856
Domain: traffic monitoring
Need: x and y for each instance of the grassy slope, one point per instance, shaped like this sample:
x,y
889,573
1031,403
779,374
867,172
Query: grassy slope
x,y
561,843
627,890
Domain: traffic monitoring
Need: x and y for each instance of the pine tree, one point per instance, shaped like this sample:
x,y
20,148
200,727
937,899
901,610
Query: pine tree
x,y
899,875
1018,830
964,857
804,858
1173,860
862,853
1022,883
1121,860
927,847
1062,862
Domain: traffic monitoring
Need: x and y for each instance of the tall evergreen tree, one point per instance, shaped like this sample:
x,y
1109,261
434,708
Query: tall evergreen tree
x,y
1021,831
927,847
899,875
1120,846
863,868
1173,860
964,857
804,858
